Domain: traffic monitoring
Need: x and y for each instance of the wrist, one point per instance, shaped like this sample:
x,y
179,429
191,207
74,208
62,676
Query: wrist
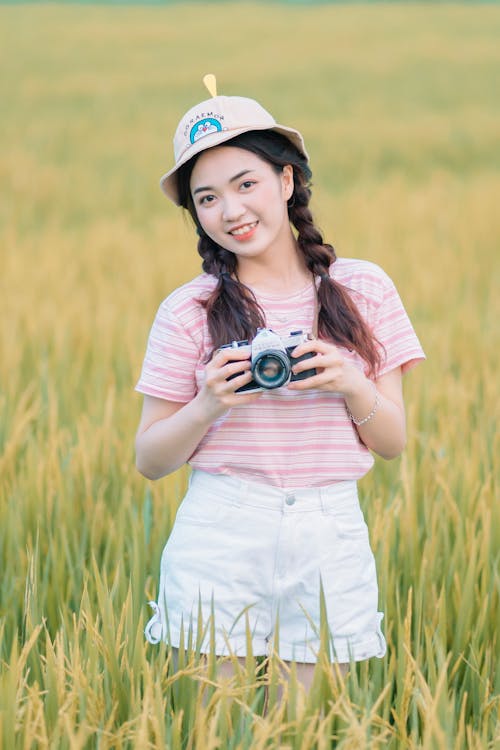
x,y
204,411
359,421
363,406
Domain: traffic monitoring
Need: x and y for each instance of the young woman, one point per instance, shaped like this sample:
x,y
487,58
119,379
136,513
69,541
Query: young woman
x,y
271,518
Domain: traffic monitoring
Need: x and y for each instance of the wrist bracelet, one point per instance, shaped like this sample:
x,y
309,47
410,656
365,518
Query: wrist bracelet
x,y
359,422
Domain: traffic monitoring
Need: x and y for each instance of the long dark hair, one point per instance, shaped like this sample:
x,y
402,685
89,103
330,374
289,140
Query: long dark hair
x,y
233,312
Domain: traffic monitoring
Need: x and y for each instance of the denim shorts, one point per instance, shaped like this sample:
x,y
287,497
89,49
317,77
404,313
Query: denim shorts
x,y
261,559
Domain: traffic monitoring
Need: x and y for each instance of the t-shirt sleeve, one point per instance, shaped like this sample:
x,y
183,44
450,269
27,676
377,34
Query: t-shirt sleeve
x,y
393,329
172,354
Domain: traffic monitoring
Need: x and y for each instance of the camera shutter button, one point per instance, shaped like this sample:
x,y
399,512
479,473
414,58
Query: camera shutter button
x,y
290,499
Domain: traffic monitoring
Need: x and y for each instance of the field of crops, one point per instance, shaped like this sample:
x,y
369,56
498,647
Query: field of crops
x,y
400,110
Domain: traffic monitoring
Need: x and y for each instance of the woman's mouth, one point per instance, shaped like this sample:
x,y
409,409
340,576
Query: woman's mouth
x,y
243,232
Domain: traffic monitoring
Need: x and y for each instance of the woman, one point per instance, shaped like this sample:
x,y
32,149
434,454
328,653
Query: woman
x,y
271,517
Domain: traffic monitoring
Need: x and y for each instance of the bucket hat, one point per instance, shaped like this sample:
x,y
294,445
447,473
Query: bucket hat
x,y
215,121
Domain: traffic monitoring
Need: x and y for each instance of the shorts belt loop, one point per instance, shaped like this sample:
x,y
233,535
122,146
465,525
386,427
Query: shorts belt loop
x,y
322,497
244,489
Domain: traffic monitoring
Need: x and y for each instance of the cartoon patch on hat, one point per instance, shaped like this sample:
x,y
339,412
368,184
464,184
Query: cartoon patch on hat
x,y
210,125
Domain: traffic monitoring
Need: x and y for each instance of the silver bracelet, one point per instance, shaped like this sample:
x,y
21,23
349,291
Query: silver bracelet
x,y
359,422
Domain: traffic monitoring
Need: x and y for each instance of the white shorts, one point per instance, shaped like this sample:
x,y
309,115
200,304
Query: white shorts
x,y
259,555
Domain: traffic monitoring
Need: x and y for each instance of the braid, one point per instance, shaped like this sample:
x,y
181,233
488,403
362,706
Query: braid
x,y
338,316
233,313
317,254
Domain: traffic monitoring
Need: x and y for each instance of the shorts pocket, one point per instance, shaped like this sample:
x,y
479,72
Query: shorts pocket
x,y
350,524
353,540
200,509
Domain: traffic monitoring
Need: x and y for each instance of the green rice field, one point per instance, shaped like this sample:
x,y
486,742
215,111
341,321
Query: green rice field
x,y
400,108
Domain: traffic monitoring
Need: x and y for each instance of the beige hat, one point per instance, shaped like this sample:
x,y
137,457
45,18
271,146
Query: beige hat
x,y
216,121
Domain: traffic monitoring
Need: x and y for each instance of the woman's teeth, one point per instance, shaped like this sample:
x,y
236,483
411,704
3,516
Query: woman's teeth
x,y
244,229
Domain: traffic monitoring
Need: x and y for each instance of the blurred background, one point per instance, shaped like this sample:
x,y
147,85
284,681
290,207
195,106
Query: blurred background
x,y
399,107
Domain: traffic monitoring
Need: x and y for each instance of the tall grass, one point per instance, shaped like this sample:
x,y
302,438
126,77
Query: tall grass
x,y
400,110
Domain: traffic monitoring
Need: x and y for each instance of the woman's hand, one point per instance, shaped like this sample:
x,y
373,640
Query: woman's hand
x,y
170,432
378,403
217,394
334,372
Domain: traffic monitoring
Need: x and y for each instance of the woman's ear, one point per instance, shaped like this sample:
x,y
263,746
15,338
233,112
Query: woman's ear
x,y
287,181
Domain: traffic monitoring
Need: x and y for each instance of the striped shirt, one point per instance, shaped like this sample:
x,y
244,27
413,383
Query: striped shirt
x,y
287,438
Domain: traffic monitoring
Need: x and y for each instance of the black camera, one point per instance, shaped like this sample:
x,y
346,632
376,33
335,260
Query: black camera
x,y
271,359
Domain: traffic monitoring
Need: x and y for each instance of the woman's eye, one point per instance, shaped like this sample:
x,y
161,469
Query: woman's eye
x,y
247,184
207,199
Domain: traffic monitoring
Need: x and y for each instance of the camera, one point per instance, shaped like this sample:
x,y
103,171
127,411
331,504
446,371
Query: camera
x,y
271,359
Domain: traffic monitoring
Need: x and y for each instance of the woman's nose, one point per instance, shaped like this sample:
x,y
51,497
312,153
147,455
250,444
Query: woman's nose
x,y
232,208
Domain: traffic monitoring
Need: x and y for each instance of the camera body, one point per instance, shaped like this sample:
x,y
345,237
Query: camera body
x,y
271,360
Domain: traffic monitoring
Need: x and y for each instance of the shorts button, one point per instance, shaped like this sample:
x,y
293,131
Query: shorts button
x,y
290,499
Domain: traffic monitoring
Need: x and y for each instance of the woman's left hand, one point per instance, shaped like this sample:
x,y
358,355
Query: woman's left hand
x,y
385,429
334,372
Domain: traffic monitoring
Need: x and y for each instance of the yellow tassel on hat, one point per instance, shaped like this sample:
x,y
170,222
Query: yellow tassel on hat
x,y
211,84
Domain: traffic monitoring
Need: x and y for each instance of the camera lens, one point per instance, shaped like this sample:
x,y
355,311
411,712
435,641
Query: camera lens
x,y
271,369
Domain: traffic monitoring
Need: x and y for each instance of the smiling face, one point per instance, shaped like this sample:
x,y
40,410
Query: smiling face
x,y
241,201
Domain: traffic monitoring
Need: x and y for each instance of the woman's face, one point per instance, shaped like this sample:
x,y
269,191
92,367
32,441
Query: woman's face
x,y
241,201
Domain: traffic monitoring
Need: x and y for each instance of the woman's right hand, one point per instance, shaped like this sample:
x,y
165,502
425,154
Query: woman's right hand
x,y
169,432
217,394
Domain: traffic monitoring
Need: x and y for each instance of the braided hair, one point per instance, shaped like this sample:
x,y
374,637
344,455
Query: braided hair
x,y
233,312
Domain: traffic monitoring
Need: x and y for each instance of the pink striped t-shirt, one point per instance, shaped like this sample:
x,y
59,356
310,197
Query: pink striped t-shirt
x,y
287,438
